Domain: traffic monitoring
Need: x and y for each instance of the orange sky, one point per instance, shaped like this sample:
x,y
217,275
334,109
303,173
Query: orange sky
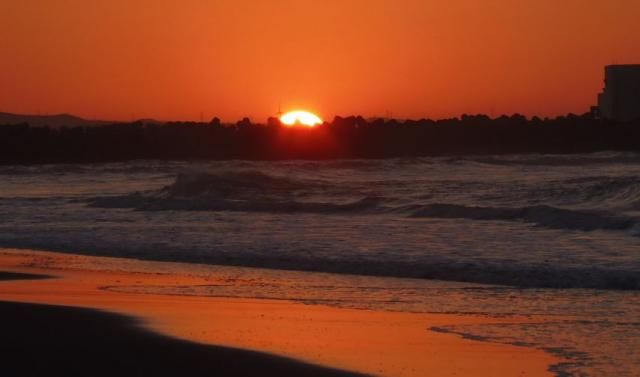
x,y
166,59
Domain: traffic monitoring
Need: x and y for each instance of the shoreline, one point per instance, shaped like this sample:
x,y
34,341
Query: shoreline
x,y
87,341
366,341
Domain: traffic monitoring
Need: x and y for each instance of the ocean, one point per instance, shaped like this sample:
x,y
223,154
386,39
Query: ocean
x,y
552,237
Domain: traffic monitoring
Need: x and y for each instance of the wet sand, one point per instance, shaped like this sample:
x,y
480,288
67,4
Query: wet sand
x,y
44,340
370,342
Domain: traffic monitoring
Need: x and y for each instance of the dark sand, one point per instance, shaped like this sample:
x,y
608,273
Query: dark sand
x,y
45,340
5,275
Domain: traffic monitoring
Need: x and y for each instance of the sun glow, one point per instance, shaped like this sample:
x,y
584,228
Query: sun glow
x,y
300,117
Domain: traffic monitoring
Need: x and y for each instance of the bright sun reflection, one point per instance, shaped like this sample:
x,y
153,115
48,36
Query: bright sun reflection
x,y
300,117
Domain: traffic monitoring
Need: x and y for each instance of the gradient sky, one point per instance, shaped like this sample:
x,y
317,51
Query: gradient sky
x,y
165,59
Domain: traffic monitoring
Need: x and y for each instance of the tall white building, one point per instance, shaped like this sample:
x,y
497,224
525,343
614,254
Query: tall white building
x,y
620,99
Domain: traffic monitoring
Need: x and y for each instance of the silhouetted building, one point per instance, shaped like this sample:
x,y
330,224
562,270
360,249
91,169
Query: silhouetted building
x,y
620,99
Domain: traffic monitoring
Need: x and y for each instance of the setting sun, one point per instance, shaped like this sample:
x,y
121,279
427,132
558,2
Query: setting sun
x,y
304,118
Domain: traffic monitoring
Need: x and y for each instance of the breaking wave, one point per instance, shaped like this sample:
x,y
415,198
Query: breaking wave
x,y
555,159
524,276
146,203
254,191
244,191
233,183
622,192
542,215
385,217
498,272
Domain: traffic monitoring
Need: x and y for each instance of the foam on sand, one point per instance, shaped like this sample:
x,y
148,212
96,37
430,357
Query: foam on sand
x,y
373,342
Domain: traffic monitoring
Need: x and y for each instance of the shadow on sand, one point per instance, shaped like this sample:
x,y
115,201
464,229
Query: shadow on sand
x,y
44,340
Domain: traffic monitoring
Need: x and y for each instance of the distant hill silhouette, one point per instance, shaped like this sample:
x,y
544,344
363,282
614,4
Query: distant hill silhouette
x,y
344,137
54,121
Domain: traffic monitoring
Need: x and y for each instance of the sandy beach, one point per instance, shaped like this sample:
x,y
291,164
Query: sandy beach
x,y
67,341
200,335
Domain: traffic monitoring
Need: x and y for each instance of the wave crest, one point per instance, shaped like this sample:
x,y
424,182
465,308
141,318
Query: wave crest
x,y
542,215
231,184
243,191
255,191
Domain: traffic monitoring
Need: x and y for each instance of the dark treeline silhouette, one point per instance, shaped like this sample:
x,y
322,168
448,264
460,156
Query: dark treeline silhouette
x,y
349,137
